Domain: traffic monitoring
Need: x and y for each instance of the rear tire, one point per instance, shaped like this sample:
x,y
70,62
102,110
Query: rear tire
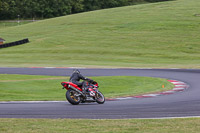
x,y
100,98
72,98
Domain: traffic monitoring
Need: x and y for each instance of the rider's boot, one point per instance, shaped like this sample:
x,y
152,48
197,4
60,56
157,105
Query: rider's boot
x,y
84,90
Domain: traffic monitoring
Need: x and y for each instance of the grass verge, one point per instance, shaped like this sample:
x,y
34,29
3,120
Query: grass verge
x,y
159,35
187,125
31,87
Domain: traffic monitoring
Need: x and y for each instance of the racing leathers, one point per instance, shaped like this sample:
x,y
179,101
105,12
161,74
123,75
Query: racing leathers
x,y
76,77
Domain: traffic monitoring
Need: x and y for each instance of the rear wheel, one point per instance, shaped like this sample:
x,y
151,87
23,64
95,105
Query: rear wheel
x,y
73,97
100,98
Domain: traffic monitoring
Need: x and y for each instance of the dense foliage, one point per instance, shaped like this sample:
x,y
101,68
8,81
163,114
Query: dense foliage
x,y
12,9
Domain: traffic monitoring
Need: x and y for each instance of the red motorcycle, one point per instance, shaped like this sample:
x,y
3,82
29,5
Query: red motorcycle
x,y
75,94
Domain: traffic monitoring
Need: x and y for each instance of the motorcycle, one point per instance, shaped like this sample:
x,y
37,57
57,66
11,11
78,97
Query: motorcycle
x,y
75,93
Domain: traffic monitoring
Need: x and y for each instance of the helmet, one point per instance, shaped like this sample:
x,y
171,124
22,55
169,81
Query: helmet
x,y
76,71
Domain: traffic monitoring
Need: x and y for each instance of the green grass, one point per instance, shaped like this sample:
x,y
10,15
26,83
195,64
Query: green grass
x,y
6,24
191,125
31,87
161,35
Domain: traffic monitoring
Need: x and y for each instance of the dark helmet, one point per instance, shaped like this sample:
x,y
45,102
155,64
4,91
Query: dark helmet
x,y
76,71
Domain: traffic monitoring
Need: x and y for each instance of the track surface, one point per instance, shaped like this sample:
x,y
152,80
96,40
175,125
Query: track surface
x,y
180,104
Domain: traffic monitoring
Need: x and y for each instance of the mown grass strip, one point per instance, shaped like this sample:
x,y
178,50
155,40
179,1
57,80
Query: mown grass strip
x,y
187,125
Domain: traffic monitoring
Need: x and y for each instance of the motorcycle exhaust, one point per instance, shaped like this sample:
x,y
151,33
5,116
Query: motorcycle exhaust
x,y
72,87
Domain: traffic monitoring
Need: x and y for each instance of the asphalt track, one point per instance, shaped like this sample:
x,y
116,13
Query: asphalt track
x,y
181,104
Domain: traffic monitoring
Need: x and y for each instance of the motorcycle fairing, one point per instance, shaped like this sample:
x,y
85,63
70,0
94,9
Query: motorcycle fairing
x,y
66,84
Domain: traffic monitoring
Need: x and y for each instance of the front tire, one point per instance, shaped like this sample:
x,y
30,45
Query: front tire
x,y
100,98
72,97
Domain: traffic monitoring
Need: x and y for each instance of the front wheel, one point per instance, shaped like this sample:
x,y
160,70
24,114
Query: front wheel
x,y
100,98
73,97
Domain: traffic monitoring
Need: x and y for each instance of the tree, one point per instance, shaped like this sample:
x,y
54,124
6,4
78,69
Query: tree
x,y
10,9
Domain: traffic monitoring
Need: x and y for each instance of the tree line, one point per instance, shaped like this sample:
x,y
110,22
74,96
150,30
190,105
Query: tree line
x,y
13,9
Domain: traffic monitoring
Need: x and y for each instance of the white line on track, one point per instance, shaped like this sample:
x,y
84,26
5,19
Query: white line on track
x,y
181,117
32,102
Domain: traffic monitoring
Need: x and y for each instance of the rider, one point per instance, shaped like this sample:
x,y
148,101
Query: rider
x,y
75,78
